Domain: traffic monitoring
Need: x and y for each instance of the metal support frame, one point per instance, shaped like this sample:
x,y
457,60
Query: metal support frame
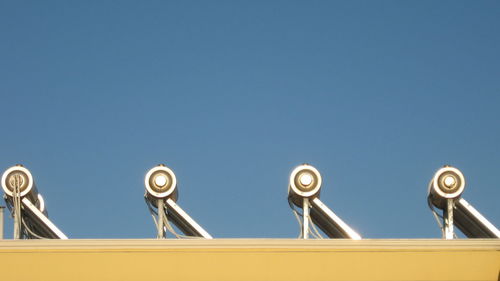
x,y
471,222
330,223
161,221
317,213
167,211
183,221
2,208
45,227
29,221
448,232
17,217
467,219
33,223
305,218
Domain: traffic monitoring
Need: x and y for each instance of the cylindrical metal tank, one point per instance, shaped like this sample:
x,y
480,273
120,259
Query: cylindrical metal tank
x,y
19,176
305,182
447,183
161,183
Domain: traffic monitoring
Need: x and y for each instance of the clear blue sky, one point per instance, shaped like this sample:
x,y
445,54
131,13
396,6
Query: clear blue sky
x,y
232,96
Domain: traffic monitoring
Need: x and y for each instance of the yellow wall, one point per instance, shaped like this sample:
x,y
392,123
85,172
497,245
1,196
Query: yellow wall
x,y
250,259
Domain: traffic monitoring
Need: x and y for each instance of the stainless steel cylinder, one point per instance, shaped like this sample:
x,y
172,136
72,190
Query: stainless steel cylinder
x,y
20,177
161,183
305,182
447,183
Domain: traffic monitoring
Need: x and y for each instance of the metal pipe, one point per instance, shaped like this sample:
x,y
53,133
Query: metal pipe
x,y
161,215
448,220
1,221
305,217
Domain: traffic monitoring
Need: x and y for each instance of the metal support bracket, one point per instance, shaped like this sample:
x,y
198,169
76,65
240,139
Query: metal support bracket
x,y
184,222
305,218
448,220
42,222
161,222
